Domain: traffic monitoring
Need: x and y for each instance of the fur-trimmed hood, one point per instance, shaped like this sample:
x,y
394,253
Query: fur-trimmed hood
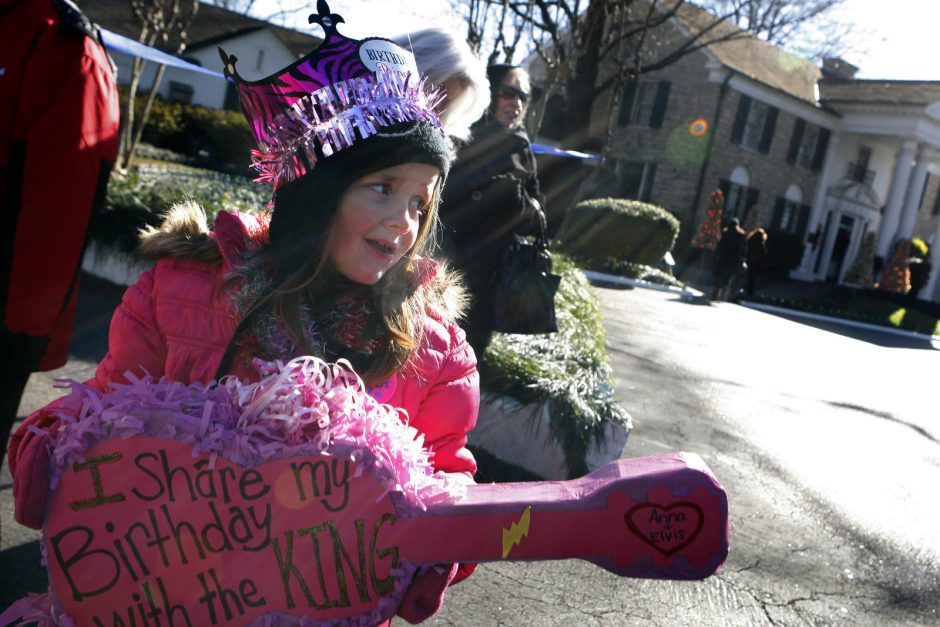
x,y
185,234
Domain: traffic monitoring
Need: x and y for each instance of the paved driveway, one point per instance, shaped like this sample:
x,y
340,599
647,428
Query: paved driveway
x,y
826,441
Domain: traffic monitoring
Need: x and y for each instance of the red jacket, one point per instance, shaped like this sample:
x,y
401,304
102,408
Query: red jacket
x,y
58,140
177,320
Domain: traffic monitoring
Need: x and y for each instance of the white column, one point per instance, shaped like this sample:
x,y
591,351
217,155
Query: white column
x,y
914,190
892,213
931,287
818,212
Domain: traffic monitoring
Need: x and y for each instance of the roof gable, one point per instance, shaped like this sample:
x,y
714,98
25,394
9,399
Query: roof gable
x,y
211,25
880,92
753,57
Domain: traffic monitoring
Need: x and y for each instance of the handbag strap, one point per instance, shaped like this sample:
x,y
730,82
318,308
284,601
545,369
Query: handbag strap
x,y
542,235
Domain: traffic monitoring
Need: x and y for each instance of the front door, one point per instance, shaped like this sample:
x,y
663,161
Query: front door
x,y
840,247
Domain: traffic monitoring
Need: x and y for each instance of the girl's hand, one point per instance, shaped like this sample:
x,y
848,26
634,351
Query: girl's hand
x,y
31,481
425,595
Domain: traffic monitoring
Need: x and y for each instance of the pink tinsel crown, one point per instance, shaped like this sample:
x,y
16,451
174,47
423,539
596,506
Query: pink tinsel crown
x,y
344,91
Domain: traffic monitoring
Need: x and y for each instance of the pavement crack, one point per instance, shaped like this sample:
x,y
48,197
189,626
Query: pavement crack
x,y
753,566
887,416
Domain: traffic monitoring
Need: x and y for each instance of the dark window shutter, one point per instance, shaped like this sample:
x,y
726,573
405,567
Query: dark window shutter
x,y
778,214
626,103
659,104
820,155
796,140
744,105
767,136
804,220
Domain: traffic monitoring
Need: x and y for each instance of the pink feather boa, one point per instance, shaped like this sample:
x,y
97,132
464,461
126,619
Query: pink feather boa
x,y
303,407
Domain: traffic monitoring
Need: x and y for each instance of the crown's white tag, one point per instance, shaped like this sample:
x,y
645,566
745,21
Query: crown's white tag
x,y
383,54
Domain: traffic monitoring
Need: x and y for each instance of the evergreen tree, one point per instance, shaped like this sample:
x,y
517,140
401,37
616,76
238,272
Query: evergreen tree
x,y
861,271
897,276
709,230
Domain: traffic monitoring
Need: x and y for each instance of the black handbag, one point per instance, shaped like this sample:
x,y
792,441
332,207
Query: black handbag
x,y
523,289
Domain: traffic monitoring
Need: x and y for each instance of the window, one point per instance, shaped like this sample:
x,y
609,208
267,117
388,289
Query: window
x,y
625,179
790,214
808,145
858,171
180,92
259,61
644,103
739,196
754,124
636,179
735,200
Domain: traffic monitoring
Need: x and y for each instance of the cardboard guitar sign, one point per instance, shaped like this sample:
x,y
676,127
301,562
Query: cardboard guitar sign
x,y
180,526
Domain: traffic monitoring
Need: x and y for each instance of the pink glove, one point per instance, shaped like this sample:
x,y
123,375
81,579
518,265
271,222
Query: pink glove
x,y
31,480
425,595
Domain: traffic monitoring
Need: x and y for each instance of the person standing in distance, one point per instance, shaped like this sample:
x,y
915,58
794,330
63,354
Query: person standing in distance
x,y
491,195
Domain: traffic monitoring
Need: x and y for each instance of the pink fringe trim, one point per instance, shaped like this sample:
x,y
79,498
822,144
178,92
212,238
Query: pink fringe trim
x,y
303,407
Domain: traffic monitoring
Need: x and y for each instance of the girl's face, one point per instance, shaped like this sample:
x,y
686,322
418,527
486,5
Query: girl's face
x,y
512,99
378,220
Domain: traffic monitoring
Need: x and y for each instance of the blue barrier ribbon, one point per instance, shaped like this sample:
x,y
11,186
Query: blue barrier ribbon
x,y
119,43
543,149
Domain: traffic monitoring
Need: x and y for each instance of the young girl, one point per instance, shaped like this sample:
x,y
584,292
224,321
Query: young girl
x,y
338,269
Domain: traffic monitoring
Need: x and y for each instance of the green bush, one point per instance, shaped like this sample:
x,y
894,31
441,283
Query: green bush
x,y
919,248
213,138
627,230
629,270
569,369
141,198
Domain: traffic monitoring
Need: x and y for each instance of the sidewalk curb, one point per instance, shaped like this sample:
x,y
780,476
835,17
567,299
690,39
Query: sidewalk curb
x,y
796,313
619,280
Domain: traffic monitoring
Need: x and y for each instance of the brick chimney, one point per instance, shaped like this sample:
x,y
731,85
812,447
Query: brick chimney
x,y
836,69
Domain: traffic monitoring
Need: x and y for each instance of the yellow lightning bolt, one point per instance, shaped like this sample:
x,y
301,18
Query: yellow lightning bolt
x,y
516,532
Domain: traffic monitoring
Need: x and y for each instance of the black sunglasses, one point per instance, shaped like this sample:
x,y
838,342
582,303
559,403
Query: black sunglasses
x,y
509,92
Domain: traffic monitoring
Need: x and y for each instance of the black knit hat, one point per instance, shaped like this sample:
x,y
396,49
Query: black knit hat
x,y
304,207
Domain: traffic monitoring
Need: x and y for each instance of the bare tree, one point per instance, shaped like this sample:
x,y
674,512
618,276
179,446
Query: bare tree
x,y
588,49
281,12
494,31
163,24
780,22
574,39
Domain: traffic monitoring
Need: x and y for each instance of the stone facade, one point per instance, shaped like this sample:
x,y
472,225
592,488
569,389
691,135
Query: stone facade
x,y
879,170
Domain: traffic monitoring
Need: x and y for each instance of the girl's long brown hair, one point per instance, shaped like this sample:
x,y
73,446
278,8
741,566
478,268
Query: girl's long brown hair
x,y
399,303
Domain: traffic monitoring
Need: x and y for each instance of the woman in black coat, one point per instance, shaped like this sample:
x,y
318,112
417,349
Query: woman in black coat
x,y
491,195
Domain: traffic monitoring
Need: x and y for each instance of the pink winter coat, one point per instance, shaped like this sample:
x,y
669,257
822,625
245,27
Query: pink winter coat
x,y
177,320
